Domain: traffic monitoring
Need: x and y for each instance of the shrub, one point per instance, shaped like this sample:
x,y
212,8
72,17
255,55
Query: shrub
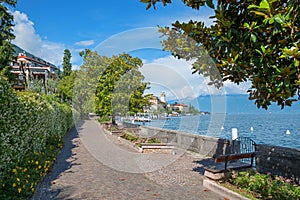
x,y
153,140
31,130
130,137
265,186
104,119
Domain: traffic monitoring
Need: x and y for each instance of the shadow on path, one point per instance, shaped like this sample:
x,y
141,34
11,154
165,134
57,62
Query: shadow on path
x,y
207,162
64,161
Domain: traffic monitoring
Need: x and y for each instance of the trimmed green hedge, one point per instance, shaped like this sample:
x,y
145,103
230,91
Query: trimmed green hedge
x,y
31,130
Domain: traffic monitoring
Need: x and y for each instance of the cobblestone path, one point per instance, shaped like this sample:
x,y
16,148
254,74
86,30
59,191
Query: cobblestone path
x,y
78,173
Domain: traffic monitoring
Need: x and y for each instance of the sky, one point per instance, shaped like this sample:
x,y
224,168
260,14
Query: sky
x,y
45,28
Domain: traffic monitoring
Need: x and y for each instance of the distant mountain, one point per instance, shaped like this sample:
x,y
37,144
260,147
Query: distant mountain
x,y
237,103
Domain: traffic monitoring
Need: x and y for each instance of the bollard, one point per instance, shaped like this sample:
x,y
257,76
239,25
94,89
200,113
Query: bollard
x,y
234,133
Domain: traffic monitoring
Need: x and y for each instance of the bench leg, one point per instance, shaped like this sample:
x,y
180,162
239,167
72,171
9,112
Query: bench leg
x,y
226,160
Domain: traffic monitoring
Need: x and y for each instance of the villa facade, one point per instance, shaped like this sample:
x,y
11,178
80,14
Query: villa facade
x,y
27,67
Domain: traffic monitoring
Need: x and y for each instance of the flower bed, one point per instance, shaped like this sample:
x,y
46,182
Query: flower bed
x,y
263,186
31,130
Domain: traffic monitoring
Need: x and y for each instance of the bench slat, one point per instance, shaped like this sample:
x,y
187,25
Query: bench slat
x,y
232,157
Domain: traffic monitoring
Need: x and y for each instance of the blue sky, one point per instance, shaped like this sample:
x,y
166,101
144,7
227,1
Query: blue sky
x,y
84,24
45,28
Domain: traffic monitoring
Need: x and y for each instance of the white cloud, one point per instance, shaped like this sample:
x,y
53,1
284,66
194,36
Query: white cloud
x,y
29,40
232,88
85,43
131,40
176,79
175,76
200,18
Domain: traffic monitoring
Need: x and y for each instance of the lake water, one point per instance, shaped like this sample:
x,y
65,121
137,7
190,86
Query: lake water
x,y
268,128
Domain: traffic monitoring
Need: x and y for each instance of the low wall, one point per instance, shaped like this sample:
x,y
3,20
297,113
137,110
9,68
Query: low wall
x,y
278,161
269,159
130,125
205,145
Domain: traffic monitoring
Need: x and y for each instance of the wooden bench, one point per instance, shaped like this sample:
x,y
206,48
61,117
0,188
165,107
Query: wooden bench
x,y
217,171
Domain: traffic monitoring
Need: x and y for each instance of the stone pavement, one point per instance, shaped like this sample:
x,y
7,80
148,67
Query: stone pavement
x,y
81,171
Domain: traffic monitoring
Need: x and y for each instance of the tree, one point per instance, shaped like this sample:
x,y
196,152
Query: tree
x,y
86,80
255,41
193,110
120,88
67,66
6,36
66,85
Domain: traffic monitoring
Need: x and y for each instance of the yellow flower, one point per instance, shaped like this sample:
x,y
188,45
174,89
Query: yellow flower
x,y
18,179
37,162
28,176
25,170
40,166
14,171
19,190
14,184
32,189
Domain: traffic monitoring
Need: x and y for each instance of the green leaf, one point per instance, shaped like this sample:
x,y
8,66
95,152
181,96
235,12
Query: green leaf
x,y
252,6
259,13
279,19
286,83
264,4
210,4
246,25
263,49
258,51
275,67
253,38
287,17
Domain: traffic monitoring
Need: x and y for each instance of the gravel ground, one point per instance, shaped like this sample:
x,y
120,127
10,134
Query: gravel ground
x,y
79,174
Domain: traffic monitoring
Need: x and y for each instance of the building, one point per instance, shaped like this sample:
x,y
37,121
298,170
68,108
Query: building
x,y
156,104
154,101
27,67
183,108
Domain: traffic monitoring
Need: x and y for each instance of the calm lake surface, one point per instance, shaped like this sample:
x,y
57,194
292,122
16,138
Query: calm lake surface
x,y
267,128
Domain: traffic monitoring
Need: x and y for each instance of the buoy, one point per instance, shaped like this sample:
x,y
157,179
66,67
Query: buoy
x,y
222,128
288,132
251,128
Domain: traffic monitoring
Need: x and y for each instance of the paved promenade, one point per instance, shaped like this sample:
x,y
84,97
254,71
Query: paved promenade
x,y
88,167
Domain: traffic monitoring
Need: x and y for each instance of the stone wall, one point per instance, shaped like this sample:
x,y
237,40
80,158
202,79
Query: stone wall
x,y
269,159
205,145
278,161
130,125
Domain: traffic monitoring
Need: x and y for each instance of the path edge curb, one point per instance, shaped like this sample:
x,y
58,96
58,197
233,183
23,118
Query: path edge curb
x,y
229,194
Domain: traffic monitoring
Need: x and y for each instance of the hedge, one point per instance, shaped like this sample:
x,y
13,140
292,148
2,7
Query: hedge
x,y
31,130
